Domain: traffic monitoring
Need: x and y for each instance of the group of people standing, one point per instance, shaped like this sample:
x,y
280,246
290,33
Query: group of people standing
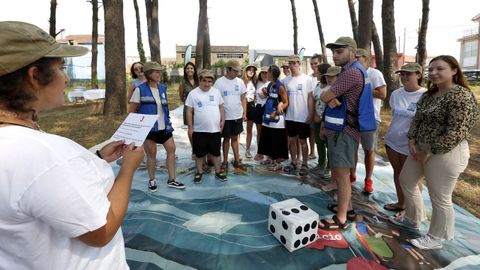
x,y
427,136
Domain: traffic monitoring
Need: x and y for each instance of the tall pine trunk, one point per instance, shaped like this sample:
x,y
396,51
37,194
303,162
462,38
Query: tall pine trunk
x,y
320,32
422,34
353,19
94,76
202,21
115,76
141,51
151,7
389,48
365,19
53,18
377,47
295,28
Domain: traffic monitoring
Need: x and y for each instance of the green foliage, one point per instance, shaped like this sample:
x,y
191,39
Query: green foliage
x,y
219,64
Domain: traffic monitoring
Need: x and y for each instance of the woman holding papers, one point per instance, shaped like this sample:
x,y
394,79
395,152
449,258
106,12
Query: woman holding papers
x,y
151,98
61,205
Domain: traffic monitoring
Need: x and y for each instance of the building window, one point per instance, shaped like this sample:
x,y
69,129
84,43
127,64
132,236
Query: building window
x,y
229,55
193,55
470,48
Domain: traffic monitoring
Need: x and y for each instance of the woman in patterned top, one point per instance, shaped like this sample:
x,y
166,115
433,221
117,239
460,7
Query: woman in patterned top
x,y
438,148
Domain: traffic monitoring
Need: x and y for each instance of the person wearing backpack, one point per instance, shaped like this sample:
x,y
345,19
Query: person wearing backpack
x,y
342,138
369,139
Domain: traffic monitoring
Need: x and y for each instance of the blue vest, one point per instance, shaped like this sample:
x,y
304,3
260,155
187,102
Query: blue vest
x,y
271,103
148,105
336,118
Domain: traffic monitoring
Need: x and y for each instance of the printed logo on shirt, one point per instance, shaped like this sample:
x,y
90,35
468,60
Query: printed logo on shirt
x,y
412,107
299,87
199,104
237,88
211,98
225,93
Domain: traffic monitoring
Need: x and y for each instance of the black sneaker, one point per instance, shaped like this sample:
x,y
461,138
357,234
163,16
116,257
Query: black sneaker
x,y
175,184
222,176
152,185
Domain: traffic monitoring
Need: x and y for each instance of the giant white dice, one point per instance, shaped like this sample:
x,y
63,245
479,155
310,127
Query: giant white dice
x,y
293,223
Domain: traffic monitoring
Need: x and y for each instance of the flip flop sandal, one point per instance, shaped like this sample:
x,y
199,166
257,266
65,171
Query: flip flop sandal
x,y
351,215
336,225
393,207
303,170
275,167
290,168
224,167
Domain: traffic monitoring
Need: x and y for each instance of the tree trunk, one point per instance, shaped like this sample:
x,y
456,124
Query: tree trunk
x,y
151,7
207,61
53,18
422,34
115,77
365,19
353,19
141,51
94,76
320,32
377,47
389,48
295,28
199,49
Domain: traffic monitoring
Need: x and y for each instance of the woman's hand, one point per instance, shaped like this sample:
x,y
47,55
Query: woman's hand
x,y
334,103
412,147
132,156
422,156
280,108
112,151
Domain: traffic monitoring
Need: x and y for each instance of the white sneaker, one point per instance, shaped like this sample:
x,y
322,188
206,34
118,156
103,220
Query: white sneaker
x,y
248,154
427,242
404,222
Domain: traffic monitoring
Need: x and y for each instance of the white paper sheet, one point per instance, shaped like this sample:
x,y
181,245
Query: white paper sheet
x,y
135,128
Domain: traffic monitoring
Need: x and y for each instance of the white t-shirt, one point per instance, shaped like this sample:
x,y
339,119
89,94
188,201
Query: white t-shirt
x,y
404,106
319,104
259,99
250,92
298,89
376,80
52,191
156,95
206,111
231,91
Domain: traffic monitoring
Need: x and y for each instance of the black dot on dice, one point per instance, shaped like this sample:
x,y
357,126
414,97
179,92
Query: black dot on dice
x,y
284,225
296,244
312,237
303,207
286,213
298,230
274,216
314,224
306,228
272,229
305,240
295,210
283,240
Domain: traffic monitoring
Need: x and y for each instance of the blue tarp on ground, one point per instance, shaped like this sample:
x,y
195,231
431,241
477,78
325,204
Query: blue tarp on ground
x,y
223,225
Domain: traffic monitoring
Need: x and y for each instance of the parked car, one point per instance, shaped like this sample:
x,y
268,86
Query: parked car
x,y
472,76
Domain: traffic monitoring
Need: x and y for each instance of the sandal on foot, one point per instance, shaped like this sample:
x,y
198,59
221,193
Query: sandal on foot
x,y
350,213
267,162
224,167
303,170
198,178
239,165
336,225
393,207
206,169
275,167
290,168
